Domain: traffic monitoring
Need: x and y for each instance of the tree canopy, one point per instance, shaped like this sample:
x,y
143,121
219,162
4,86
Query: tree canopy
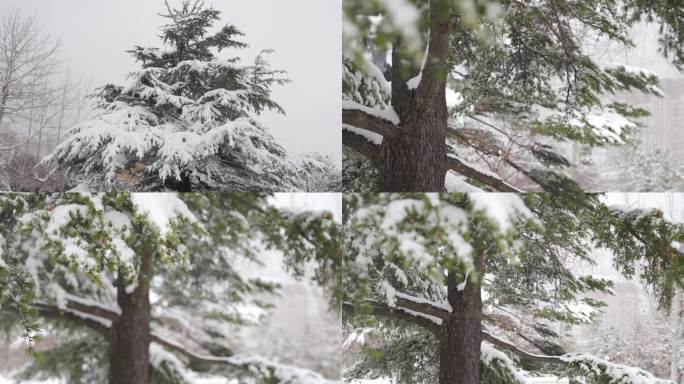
x,y
188,120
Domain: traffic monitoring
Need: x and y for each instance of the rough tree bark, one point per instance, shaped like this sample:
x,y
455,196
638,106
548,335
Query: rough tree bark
x,y
461,332
129,347
414,160
412,156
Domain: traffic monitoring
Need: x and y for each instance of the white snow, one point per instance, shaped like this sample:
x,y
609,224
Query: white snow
x,y
420,300
453,98
461,286
372,137
414,82
617,372
453,182
608,125
475,167
490,354
433,319
388,114
162,208
501,207
404,17
62,214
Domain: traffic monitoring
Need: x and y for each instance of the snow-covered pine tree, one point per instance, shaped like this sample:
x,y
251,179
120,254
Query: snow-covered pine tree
x,y
188,120
469,288
517,77
139,288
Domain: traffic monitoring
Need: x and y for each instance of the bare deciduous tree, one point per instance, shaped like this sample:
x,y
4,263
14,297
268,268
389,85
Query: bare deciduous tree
x,y
27,59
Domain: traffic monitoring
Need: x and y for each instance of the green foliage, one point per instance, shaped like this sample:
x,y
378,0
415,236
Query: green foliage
x,y
92,246
67,360
528,281
521,69
358,173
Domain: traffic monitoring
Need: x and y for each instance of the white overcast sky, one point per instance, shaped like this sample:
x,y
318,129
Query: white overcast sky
x,y
304,33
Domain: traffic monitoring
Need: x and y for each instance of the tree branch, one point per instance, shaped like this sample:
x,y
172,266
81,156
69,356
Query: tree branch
x,y
489,150
405,301
240,362
384,310
361,119
519,352
361,145
466,170
97,324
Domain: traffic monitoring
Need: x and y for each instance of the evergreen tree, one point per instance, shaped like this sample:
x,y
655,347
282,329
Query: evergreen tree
x,y
188,119
518,78
139,288
467,288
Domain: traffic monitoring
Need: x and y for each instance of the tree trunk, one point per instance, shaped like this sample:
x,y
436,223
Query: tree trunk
x,y
3,102
415,161
129,347
675,322
461,337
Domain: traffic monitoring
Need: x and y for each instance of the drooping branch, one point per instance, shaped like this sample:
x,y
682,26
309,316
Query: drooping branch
x,y
471,172
489,149
78,304
420,319
252,364
519,352
97,324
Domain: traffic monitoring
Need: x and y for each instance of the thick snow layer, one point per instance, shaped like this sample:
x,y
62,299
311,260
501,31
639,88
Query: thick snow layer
x,y
420,300
435,320
491,354
391,219
388,114
453,98
162,208
501,207
62,214
453,182
608,125
617,372
372,137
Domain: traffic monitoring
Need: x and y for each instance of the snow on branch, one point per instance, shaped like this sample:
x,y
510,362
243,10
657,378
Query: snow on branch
x,y
370,136
476,173
361,144
254,365
94,322
498,360
506,345
387,114
588,365
611,372
430,323
424,305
